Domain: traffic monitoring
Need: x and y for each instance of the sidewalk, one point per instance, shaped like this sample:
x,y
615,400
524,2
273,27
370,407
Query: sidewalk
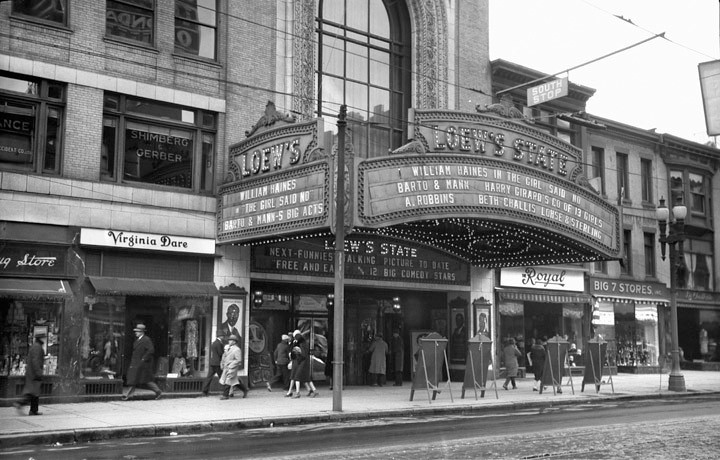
x,y
92,421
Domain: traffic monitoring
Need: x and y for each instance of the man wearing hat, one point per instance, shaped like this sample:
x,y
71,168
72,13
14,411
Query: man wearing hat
x,y
217,348
281,357
140,373
33,377
230,364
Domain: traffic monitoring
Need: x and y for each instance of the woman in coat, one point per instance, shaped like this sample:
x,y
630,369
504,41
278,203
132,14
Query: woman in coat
x,y
378,353
511,353
301,367
230,365
536,358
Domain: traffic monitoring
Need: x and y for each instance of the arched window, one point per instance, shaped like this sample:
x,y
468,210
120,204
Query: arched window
x,y
363,62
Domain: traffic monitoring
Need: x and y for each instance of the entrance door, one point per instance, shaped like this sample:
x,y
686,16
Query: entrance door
x,y
152,312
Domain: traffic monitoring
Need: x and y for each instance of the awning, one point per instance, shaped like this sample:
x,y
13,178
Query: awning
x,y
134,286
628,299
32,288
544,296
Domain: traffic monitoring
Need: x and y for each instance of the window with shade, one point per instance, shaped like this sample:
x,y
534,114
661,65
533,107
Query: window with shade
x,y
196,27
623,176
363,49
646,179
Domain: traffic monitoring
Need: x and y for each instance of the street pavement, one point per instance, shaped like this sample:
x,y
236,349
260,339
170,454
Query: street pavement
x,y
67,423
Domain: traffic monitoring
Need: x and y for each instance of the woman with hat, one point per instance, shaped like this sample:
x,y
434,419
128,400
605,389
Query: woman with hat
x,y
141,370
230,364
301,371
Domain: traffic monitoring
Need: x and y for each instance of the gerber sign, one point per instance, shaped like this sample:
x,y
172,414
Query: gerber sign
x,y
475,166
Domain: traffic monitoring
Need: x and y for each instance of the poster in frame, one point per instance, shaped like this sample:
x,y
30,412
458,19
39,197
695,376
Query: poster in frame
x,y
458,340
232,314
482,320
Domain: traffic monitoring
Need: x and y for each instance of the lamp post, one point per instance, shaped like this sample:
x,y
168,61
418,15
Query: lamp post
x,y
676,235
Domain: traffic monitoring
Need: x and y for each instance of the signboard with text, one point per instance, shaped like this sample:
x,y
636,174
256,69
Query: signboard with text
x,y
32,259
475,166
547,91
365,258
149,241
559,279
280,185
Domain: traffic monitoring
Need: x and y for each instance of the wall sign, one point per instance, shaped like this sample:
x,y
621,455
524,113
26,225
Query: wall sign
x,y
557,279
32,260
636,289
365,258
151,241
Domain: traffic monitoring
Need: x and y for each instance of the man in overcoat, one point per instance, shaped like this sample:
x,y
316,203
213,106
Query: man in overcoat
x,y
231,361
33,377
378,360
141,372
398,353
217,348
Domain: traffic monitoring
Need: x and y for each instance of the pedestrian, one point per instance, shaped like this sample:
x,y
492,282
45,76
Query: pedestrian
x,y
217,349
536,358
378,360
281,357
397,348
141,370
510,355
230,364
301,367
33,377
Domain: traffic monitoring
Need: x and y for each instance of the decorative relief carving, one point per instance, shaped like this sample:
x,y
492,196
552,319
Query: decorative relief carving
x,y
303,101
269,118
430,34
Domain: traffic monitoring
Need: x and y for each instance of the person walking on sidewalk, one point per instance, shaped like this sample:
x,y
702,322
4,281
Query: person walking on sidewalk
x,y
217,349
281,357
378,360
33,377
397,348
536,359
140,373
230,364
510,356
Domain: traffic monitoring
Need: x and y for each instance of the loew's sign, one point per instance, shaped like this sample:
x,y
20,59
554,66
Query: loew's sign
x,y
279,184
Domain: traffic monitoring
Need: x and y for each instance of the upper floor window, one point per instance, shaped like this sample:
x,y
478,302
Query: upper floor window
x,y
649,242
699,262
363,52
31,124
47,10
132,20
157,143
196,27
596,168
626,265
691,189
696,182
623,176
646,179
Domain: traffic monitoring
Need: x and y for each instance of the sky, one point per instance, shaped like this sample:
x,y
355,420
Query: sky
x,y
653,85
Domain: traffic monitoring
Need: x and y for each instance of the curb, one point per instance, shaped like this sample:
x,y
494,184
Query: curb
x,y
145,431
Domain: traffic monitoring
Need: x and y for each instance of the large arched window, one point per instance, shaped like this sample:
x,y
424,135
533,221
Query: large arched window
x,y
363,49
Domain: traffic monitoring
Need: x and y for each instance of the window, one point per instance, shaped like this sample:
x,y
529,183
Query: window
x,y
157,143
649,239
47,10
623,177
646,179
601,266
699,262
677,188
625,266
697,193
31,124
596,168
132,20
363,49
195,27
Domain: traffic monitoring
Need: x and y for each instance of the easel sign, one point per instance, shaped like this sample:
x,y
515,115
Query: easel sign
x,y
555,365
431,356
595,366
479,357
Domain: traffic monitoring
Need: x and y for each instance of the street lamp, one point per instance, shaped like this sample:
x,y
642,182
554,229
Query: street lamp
x,y
676,235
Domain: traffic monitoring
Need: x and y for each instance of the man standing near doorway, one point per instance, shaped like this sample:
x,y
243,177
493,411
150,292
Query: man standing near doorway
x,y
140,372
398,353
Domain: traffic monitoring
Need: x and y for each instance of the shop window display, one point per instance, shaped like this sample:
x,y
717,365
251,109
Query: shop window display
x,y
636,334
21,322
103,337
604,327
187,338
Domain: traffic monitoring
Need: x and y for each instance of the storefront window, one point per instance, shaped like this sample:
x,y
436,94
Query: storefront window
x,y
603,322
699,262
636,334
709,335
103,337
188,336
21,322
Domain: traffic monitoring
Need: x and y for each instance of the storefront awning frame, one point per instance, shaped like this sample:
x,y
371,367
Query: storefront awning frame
x,y
34,288
543,296
132,286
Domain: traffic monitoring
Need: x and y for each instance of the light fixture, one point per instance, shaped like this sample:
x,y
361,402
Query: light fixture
x,y
257,299
396,304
